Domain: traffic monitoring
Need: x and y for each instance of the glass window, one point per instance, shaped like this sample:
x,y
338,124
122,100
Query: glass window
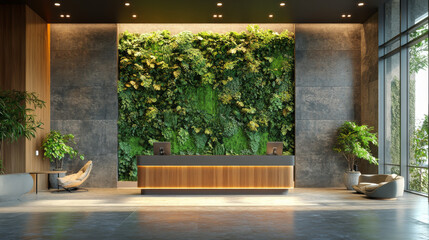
x,y
418,116
392,46
392,107
410,114
417,11
392,169
391,19
418,32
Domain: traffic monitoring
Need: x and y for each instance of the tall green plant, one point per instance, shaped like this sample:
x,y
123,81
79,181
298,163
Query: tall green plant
x,y
353,141
17,118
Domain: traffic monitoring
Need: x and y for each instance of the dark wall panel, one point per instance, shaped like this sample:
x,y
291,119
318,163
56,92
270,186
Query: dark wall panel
x,y
369,84
84,97
328,77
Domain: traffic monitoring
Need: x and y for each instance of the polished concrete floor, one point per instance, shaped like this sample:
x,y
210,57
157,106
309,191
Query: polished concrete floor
x,y
301,214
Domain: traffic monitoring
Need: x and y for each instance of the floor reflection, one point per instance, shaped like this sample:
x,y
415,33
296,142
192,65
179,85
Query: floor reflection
x,y
303,214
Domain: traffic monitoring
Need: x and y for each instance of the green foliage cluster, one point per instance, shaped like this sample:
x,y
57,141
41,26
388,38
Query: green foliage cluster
x,y
395,117
353,141
418,53
206,93
17,118
419,157
56,146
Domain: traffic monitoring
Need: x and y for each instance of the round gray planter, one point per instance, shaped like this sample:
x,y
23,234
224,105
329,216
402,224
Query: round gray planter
x,y
53,179
13,186
351,178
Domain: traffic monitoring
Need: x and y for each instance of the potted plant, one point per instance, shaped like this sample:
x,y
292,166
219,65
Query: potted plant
x,y
56,147
17,119
353,141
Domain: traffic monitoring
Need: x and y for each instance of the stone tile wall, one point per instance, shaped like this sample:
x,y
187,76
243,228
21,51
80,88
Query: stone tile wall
x,y
328,73
84,98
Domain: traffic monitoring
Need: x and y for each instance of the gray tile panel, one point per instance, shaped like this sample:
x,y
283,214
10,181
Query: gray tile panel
x,y
320,170
84,103
84,68
92,137
83,36
327,68
328,36
325,103
84,99
316,136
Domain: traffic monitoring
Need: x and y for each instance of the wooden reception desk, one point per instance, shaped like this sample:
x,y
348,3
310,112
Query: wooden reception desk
x,y
215,172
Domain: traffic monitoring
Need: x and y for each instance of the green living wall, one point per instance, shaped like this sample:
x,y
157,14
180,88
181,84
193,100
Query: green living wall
x,y
206,93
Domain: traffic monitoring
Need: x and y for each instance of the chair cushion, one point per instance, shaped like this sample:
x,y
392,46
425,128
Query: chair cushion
x,y
357,188
362,184
370,187
79,174
360,188
390,177
82,176
67,178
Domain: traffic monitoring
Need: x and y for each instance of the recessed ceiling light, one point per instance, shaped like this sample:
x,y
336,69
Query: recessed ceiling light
x,y
215,15
57,4
271,16
62,15
127,4
219,4
344,15
282,4
134,16
220,15
349,15
67,16
361,4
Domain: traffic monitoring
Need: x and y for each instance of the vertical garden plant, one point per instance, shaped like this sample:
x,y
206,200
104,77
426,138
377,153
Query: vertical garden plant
x,y
206,93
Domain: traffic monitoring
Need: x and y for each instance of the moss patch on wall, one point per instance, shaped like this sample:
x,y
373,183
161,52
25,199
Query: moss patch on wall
x,y
206,93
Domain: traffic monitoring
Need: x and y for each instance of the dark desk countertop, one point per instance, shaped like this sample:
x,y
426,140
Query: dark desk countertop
x,y
215,160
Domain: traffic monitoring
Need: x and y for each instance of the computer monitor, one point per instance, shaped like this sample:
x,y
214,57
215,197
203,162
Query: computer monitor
x,y
274,148
161,148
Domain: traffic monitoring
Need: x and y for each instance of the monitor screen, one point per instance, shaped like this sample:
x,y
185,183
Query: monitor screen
x,y
161,148
274,148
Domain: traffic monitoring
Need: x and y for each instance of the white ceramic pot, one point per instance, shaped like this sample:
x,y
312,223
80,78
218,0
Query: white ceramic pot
x,y
13,186
351,178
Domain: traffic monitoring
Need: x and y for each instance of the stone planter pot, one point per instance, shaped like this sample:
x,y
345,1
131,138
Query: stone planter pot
x,y
13,186
351,178
53,179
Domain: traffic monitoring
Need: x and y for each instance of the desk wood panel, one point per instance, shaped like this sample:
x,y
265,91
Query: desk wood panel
x,y
215,177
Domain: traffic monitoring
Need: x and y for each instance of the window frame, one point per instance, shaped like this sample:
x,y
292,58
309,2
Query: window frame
x,y
402,49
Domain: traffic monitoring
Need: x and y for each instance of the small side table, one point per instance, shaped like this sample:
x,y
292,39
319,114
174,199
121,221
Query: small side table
x,y
46,172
